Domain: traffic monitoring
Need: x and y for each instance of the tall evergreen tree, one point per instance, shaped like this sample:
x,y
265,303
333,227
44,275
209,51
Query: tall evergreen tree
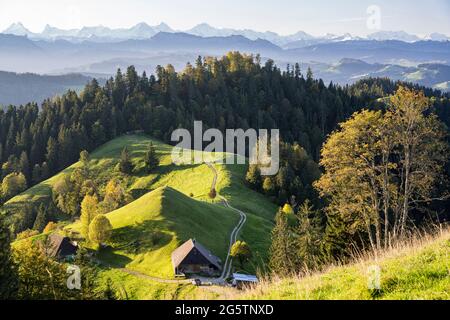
x,y
151,159
283,256
24,165
52,154
41,218
125,164
309,237
8,275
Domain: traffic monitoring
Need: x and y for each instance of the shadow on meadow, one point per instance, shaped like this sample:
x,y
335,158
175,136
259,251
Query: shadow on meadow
x,y
141,237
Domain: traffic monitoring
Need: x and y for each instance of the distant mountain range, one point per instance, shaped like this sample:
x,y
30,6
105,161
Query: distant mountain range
x,y
99,51
98,33
22,54
144,31
22,88
348,71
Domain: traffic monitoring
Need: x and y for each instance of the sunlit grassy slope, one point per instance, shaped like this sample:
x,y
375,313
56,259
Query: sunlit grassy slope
x,y
195,179
171,205
416,271
148,230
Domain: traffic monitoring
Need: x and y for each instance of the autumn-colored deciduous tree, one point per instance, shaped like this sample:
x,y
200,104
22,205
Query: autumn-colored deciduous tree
x,y
50,227
100,229
89,208
43,278
380,166
253,176
13,184
287,208
268,186
70,191
115,196
241,251
39,276
66,197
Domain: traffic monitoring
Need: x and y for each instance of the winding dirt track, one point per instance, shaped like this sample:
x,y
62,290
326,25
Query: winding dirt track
x,y
234,234
227,267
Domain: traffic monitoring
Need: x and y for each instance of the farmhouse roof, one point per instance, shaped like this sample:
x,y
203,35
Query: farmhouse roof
x,y
182,252
60,246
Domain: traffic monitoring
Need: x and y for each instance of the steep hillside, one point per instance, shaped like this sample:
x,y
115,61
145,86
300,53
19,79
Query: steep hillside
x,y
148,230
171,206
415,271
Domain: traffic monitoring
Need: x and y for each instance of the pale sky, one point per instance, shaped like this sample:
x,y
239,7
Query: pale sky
x,y
283,16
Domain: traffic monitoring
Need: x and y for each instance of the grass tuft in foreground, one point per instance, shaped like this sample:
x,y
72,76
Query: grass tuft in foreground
x,y
416,270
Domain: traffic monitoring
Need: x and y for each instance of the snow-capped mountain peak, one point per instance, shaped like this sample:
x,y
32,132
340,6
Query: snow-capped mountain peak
x,y
393,35
145,31
17,29
437,37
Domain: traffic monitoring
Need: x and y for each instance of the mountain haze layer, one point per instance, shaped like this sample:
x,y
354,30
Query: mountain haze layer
x,y
144,31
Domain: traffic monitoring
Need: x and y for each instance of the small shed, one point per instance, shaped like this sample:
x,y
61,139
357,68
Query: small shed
x,y
193,258
244,280
60,247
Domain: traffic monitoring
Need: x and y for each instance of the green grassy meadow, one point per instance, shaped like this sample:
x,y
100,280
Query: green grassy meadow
x,y
148,230
171,206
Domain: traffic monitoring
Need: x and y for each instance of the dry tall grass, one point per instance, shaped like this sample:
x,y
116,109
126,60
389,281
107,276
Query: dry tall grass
x,y
349,280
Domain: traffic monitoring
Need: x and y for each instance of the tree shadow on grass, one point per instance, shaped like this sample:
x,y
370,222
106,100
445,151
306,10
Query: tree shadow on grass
x,y
141,237
159,174
163,169
110,258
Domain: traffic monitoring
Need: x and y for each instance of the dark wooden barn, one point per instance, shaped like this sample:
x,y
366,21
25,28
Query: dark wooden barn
x,y
60,247
193,258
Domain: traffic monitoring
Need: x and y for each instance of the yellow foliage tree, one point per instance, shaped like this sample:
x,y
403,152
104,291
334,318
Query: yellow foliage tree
x,y
100,229
377,165
288,209
89,208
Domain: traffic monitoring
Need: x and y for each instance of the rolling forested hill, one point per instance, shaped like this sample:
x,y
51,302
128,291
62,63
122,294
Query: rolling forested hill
x,y
233,92
17,89
158,209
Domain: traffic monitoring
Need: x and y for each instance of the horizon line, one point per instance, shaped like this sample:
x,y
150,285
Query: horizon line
x,y
217,28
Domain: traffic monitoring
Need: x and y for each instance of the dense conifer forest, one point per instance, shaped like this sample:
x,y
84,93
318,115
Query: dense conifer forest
x,y
235,91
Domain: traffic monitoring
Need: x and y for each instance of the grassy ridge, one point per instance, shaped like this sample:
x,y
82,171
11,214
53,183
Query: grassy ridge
x,y
148,230
171,206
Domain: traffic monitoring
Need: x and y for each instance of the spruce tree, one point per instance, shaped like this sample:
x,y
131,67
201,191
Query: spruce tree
x,y
253,177
41,219
309,237
8,276
24,165
282,251
52,154
151,160
125,164
84,159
